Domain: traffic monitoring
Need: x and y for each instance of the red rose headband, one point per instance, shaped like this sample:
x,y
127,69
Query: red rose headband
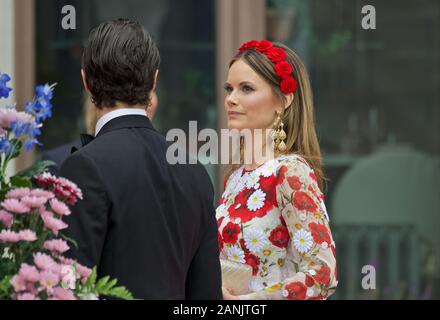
x,y
277,55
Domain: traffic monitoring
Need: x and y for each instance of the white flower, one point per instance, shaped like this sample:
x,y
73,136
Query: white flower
x,y
238,187
68,280
324,245
255,240
235,254
285,293
312,272
303,241
302,216
256,200
269,168
310,292
252,180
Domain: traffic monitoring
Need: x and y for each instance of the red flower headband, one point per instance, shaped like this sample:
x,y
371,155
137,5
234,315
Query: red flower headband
x,y
277,55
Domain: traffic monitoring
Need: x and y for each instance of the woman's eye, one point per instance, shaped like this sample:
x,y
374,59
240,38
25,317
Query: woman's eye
x,y
247,89
228,89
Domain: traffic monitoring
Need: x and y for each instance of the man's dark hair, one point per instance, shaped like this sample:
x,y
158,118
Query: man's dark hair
x,y
120,60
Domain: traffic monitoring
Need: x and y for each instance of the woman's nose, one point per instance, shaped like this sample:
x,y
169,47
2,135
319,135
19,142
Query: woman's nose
x,y
231,99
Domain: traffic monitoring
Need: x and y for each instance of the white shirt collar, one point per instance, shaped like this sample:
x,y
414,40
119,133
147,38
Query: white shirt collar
x,y
117,113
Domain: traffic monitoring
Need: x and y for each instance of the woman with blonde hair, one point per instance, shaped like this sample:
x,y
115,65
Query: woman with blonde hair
x,y
272,215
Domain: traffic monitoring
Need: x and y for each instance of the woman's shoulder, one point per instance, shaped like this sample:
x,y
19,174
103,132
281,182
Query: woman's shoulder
x,y
294,161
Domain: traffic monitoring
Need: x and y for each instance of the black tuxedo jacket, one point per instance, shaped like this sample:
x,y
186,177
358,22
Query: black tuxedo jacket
x,y
143,221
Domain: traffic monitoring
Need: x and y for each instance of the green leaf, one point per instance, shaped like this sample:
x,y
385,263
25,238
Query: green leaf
x,y
20,182
36,169
90,283
101,283
6,288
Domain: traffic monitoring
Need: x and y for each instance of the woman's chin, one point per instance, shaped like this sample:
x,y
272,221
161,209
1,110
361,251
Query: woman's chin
x,y
235,125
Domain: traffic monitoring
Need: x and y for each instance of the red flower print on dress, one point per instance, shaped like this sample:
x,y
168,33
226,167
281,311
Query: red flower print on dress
x,y
313,176
320,233
280,237
294,182
309,281
253,261
219,222
302,201
239,208
333,250
296,291
243,246
323,275
282,174
230,233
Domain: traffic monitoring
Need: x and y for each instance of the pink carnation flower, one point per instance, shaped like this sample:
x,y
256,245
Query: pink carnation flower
x,y
18,193
6,218
29,273
83,271
18,283
34,202
56,246
9,115
63,294
27,235
59,207
15,206
49,280
26,296
43,261
53,224
9,236
42,193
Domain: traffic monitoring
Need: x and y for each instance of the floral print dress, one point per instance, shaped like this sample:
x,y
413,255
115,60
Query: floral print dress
x,y
273,218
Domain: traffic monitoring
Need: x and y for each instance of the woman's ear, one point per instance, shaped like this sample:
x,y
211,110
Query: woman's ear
x,y
289,100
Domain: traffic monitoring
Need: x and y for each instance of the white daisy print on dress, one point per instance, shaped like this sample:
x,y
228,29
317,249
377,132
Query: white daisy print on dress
x,y
256,200
252,180
303,241
269,168
235,254
255,240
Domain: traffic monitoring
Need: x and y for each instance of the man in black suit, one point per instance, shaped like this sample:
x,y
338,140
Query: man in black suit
x,y
143,221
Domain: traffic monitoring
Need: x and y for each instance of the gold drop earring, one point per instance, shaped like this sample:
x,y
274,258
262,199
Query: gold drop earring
x,y
280,134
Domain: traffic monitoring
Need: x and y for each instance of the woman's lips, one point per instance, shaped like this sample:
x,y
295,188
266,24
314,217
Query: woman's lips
x,y
234,113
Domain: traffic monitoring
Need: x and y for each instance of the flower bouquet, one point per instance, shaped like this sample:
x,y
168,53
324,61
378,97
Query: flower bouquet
x,y
32,206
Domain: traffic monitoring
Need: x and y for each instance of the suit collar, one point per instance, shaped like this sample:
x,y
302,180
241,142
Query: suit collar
x,y
126,121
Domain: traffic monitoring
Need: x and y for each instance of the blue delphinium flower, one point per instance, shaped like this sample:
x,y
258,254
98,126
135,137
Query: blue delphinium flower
x,y
41,107
4,90
6,146
21,129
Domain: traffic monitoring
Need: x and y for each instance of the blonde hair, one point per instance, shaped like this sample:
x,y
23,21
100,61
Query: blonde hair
x,y
298,118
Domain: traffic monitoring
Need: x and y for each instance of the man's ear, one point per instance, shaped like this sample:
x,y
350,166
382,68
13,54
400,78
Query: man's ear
x,y
84,80
156,74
